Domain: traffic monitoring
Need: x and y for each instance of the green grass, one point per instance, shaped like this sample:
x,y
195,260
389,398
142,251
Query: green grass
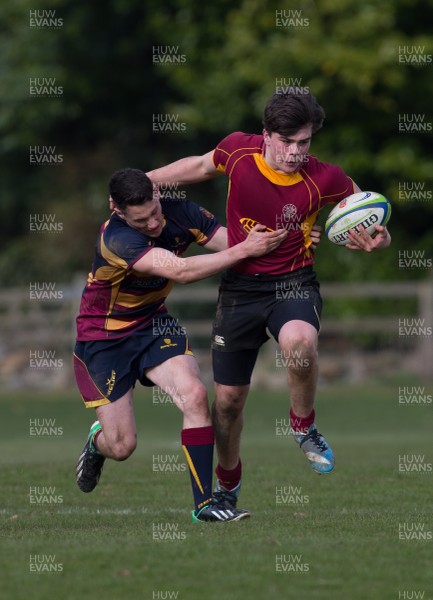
x,y
343,528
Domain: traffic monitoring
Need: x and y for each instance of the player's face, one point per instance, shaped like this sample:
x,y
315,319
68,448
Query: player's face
x,y
146,218
286,154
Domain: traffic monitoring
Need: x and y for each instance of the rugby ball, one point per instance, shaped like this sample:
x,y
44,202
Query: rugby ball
x,y
363,208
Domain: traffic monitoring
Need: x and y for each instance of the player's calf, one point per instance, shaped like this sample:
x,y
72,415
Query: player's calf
x,y
119,448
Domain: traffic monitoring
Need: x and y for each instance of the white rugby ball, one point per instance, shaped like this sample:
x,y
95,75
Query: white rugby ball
x,y
363,208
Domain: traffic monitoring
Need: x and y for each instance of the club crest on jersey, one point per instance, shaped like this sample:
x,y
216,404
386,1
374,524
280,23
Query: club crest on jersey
x,y
289,212
206,213
248,224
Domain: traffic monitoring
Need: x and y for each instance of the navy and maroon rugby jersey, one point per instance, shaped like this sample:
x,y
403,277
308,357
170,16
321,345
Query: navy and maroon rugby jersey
x,y
117,300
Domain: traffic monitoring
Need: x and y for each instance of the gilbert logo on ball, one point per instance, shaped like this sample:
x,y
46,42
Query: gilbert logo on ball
x,y
364,208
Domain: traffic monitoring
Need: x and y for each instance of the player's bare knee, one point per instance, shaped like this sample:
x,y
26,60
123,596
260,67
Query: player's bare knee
x,y
228,412
300,357
230,403
123,448
194,401
196,397
199,392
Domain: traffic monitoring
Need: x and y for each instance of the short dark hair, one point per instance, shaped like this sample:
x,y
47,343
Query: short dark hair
x,y
129,187
288,113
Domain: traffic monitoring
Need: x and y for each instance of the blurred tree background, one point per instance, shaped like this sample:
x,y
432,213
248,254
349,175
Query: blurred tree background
x,y
352,56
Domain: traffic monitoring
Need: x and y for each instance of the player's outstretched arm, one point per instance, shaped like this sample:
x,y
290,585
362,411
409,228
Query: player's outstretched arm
x,y
191,169
162,263
218,241
364,241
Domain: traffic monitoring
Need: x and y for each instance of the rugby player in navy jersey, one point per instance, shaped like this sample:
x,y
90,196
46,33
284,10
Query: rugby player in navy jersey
x,y
276,182
125,334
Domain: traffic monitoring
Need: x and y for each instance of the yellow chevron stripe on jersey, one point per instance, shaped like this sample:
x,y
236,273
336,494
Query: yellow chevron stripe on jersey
x,y
114,324
132,301
307,226
248,224
110,257
200,238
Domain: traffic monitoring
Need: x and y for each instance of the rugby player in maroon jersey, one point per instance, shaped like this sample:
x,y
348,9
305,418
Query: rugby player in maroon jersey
x,y
274,181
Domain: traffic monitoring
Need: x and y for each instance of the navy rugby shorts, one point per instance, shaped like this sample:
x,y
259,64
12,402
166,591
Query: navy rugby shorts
x,y
106,369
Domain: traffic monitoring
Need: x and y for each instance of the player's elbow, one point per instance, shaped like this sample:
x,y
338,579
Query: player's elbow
x,y
184,275
205,174
184,278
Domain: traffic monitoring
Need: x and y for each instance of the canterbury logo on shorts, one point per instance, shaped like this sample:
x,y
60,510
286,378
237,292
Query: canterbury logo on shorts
x,y
218,339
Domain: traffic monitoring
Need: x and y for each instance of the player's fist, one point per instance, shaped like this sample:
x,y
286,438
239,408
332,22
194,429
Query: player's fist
x,y
261,241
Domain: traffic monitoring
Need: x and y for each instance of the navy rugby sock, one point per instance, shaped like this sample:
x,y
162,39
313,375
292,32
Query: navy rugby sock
x,y
198,443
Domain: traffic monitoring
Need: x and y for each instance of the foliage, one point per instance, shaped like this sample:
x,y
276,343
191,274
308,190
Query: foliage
x,y
103,55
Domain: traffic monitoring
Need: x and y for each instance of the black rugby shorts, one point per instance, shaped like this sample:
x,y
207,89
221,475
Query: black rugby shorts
x,y
250,305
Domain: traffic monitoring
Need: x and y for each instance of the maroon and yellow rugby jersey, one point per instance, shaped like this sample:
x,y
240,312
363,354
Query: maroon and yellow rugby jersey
x,y
117,299
259,194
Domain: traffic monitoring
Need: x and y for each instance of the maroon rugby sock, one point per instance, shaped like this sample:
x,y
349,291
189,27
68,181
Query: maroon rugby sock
x,y
229,478
301,424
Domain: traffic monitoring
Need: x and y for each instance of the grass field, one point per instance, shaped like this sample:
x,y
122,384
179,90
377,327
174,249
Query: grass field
x,y
363,532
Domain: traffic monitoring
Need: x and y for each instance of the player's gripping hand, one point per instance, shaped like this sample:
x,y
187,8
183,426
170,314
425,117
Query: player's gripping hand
x,y
364,241
261,241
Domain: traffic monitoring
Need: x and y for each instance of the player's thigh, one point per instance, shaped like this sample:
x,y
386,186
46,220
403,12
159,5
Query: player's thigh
x,y
179,377
233,369
240,320
104,371
117,420
295,324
